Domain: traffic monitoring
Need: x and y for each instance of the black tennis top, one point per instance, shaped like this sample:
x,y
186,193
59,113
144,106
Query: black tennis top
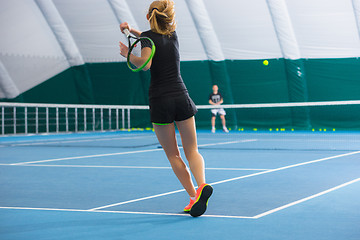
x,y
165,67
215,98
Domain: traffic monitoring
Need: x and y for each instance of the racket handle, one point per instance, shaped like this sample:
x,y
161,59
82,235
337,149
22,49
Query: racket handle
x,y
126,32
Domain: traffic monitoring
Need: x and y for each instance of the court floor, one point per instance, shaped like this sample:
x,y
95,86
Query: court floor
x,y
119,185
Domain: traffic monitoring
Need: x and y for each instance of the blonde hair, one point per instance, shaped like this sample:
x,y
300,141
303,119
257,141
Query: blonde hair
x,y
162,17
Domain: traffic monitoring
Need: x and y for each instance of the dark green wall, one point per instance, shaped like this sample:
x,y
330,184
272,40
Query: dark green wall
x,y
249,81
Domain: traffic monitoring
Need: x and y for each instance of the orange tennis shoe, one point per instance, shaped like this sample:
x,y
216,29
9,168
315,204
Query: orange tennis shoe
x,y
188,207
198,207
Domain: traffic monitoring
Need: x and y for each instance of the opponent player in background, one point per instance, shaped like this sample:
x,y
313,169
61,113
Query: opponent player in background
x,y
216,98
171,104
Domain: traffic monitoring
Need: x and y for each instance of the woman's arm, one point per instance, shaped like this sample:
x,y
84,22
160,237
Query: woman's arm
x,y
145,52
137,61
137,33
125,25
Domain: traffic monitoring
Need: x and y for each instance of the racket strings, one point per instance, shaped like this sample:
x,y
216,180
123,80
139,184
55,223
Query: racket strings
x,y
135,49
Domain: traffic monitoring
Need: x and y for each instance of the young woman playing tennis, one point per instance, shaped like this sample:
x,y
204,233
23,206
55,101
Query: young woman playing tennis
x,y
170,102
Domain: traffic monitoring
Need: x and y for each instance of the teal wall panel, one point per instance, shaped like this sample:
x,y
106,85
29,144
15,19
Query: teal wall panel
x,y
254,82
250,81
333,79
58,89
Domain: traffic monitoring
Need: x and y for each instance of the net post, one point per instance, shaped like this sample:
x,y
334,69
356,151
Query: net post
x,y
57,120
93,120
85,120
14,119
67,119
76,119
3,120
123,118
128,117
47,119
101,119
37,120
117,119
25,120
109,118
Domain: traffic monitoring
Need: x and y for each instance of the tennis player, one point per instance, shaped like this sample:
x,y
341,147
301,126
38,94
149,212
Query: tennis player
x,y
216,98
171,104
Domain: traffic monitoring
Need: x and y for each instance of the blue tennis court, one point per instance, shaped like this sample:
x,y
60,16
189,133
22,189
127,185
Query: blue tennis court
x,y
119,185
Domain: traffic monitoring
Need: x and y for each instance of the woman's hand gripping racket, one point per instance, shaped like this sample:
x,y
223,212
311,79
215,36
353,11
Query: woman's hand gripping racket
x,y
140,52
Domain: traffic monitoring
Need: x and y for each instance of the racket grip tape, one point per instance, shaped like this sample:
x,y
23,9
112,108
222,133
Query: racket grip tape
x,y
126,32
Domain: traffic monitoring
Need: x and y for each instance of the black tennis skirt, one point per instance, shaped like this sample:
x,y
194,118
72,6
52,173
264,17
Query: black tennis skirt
x,y
165,110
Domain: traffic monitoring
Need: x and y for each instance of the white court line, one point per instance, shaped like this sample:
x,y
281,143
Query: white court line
x,y
225,143
125,153
229,180
124,212
306,199
136,200
87,156
287,167
98,209
49,142
205,215
64,138
220,216
127,167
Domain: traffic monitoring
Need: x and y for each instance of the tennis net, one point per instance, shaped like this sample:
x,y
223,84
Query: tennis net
x,y
30,118
33,118
309,116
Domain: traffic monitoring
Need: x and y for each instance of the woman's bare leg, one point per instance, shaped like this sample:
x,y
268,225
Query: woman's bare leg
x,y
167,139
187,131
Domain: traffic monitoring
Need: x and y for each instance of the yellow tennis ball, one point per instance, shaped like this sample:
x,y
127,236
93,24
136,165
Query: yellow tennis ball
x,y
266,62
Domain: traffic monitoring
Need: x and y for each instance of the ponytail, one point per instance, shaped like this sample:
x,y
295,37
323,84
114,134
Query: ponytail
x,y
162,17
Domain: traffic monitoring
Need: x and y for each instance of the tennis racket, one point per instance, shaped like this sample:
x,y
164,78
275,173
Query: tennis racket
x,y
135,49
